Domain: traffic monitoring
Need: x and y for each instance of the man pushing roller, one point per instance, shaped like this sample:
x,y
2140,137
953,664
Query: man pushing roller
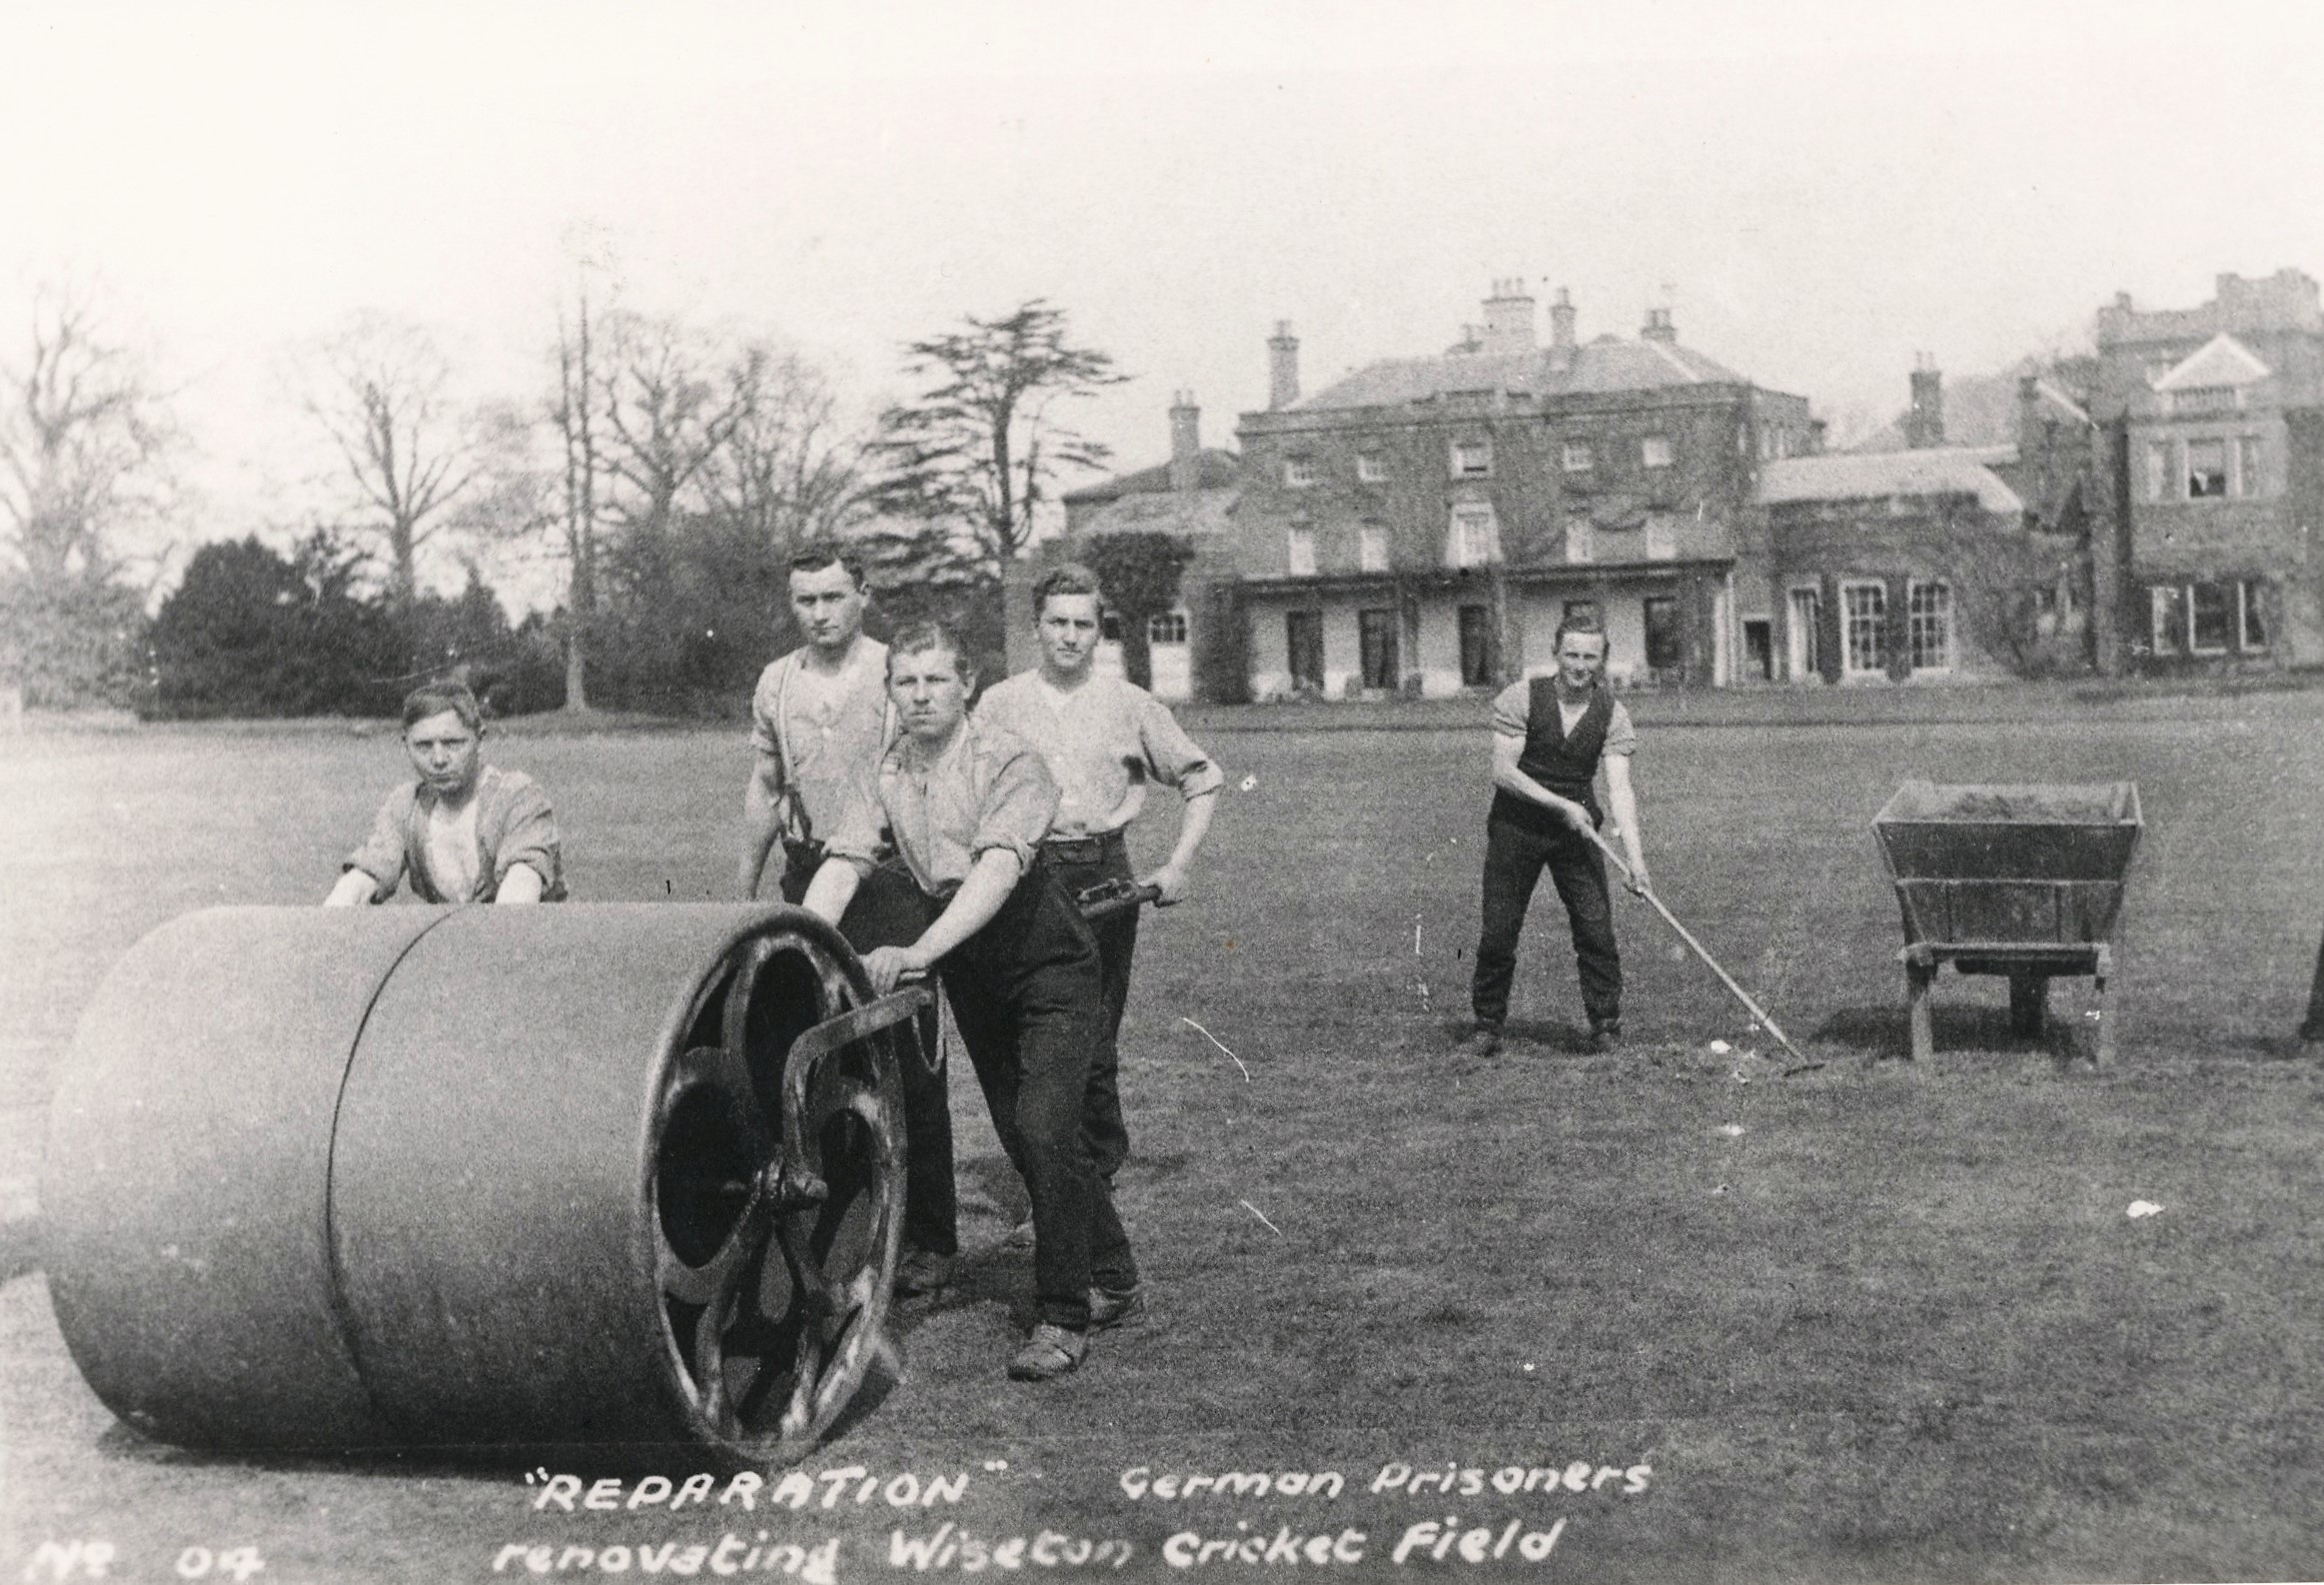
x,y
968,804
1550,736
819,724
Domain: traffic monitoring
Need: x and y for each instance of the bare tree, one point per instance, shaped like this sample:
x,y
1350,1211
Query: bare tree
x,y
982,444
83,445
786,473
410,451
668,411
574,415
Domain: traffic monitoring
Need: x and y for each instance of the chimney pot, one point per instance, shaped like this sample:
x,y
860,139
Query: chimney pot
x,y
1509,318
1282,367
1184,442
1925,421
1561,329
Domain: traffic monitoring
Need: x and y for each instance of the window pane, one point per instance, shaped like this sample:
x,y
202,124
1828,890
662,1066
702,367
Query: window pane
x,y
2250,479
1476,645
1655,450
2167,618
1665,652
2158,470
1303,638
1302,552
1375,637
1577,456
1475,541
1931,625
2204,398
1867,609
2214,616
1581,542
1806,635
1166,627
1372,546
2206,468
2254,614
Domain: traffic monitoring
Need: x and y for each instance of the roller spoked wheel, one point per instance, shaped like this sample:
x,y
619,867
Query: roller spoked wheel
x,y
780,1185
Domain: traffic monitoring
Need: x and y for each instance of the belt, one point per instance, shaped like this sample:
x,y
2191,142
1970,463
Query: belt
x,y
1082,849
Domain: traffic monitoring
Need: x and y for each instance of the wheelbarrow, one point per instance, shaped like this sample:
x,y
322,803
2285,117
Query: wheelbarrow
x,y
617,1178
2019,881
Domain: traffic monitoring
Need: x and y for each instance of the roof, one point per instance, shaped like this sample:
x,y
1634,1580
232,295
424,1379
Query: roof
x,y
1605,365
1867,475
1217,470
2220,361
1980,410
2058,399
1180,511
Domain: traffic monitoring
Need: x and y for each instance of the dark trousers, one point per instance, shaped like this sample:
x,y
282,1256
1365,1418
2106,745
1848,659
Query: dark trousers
x,y
1514,855
889,909
1028,995
1117,942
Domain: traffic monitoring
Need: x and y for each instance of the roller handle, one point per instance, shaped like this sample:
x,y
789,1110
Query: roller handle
x,y
1109,898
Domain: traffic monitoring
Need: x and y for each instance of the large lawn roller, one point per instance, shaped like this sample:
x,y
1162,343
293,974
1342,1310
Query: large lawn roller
x,y
616,1176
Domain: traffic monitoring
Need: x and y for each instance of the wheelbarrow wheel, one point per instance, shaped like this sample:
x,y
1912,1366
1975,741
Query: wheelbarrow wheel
x,y
779,1200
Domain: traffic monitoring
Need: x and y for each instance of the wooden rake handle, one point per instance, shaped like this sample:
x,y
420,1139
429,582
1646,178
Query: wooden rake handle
x,y
1686,935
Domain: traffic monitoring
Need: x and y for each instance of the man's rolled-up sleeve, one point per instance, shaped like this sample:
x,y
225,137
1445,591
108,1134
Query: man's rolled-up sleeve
x,y
528,837
856,835
381,854
1173,757
1019,802
1511,708
763,699
1620,737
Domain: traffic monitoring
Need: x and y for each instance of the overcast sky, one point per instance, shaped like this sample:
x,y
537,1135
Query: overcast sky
x,y
1817,192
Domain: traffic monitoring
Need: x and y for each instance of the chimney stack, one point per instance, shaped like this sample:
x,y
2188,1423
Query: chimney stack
x,y
1924,424
1184,442
1657,326
1282,367
1509,318
1560,332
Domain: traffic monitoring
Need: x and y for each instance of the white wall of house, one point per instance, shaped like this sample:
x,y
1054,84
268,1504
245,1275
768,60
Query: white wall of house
x,y
1343,652
1439,660
1267,650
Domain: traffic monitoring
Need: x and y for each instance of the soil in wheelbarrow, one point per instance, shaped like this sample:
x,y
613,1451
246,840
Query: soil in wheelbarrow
x,y
2029,806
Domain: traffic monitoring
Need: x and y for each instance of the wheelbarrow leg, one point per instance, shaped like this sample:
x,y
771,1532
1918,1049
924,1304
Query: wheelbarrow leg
x,y
2101,1026
1919,970
2028,1004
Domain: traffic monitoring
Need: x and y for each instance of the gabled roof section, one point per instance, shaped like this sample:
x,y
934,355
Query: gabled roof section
x,y
1870,476
2057,399
1609,363
1180,511
1216,470
2221,361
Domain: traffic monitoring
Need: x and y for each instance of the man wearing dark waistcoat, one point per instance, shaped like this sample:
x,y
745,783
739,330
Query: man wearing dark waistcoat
x,y
1551,737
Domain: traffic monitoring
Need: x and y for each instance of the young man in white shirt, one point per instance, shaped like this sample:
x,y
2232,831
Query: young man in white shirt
x,y
1104,739
819,724
463,830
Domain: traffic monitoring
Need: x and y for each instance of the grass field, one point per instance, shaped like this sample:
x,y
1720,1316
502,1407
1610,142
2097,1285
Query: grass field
x,y
1869,1321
